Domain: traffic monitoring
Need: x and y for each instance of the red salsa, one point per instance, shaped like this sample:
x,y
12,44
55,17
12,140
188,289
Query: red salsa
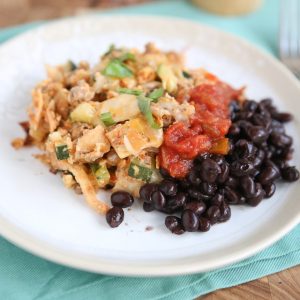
x,y
205,132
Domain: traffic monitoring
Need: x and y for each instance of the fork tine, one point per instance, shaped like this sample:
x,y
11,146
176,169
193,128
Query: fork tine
x,y
289,44
283,34
293,27
298,28
289,28
285,28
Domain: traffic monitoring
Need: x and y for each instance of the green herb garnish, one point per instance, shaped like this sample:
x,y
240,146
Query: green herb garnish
x,y
62,152
129,91
116,68
186,74
144,106
107,119
72,65
155,94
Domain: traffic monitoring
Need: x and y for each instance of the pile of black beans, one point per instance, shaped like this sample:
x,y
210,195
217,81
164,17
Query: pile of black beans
x,y
259,153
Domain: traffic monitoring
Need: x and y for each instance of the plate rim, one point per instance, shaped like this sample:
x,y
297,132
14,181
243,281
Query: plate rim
x,y
33,245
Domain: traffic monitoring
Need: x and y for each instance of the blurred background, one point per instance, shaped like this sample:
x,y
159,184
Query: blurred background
x,y
13,12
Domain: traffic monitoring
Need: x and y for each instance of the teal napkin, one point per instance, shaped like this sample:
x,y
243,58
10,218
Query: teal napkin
x,y
24,276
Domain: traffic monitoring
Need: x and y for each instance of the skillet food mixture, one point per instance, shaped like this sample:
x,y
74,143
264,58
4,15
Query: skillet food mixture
x,y
145,126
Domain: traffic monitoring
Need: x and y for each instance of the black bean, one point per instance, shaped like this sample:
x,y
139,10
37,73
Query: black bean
x,y
281,152
190,220
148,207
267,102
256,161
158,200
258,158
264,110
184,184
277,127
270,151
270,163
194,178
241,167
281,140
213,213
281,164
243,124
286,153
234,106
225,212
233,116
231,195
204,224
177,201
115,216
275,150
255,173
259,195
219,159
283,117
209,170
243,115
217,200
231,148
245,149
121,199
260,153
234,131
257,134
265,114
196,194
197,207
230,157
260,120
208,188
290,174
268,175
223,176
146,190
231,182
221,191
250,105
269,190
200,158
264,146
168,187
272,110
247,186
173,223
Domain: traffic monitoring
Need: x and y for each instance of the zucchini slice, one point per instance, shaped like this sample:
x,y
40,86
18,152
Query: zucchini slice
x,y
62,152
138,171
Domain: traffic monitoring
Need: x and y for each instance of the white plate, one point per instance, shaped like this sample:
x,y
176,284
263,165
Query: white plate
x,y
40,215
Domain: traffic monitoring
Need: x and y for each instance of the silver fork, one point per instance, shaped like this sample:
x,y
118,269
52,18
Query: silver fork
x,y
289,35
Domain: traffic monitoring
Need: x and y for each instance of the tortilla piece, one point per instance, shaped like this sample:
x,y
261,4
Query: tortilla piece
x,y
85,183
